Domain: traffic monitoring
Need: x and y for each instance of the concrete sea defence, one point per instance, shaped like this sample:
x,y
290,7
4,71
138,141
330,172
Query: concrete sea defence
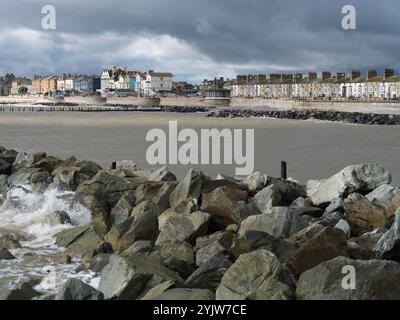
x,y
334,116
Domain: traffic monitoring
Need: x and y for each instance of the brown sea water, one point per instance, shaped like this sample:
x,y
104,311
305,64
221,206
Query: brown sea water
x,y
313,150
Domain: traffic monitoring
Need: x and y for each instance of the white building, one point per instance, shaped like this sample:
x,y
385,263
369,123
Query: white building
x,y
156,83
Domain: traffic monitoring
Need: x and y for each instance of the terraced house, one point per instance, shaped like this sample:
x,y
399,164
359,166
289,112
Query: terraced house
x,y
340,86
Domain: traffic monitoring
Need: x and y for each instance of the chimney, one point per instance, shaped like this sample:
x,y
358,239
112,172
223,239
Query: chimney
x,y
326,75
299,76
312,76
355,74
340,76
389,73
371,74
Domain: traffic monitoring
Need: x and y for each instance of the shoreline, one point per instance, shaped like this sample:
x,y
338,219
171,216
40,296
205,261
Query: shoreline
x,y
236,103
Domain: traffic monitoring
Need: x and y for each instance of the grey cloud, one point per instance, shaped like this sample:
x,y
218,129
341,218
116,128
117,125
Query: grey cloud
x,y
237,35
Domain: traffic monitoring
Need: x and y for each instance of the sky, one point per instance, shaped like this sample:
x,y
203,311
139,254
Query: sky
x,y
198,39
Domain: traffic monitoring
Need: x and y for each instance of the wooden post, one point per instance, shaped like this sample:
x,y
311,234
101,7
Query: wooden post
x,y
114,165
283,170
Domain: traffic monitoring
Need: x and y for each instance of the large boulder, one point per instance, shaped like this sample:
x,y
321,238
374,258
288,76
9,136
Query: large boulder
x,y
158,290
147,191
209,274
10,242
74,289
141,225
374,280
388,247
27,160
178,256
23,290
190,188
362,248
359,178
387,198
279,222
220,203
123,209
363,214
267,198
183,227
161,198
250,241
68,178
243,210
126,277
6,255
255,182
82,242
94,197
254,276
162,174
324,246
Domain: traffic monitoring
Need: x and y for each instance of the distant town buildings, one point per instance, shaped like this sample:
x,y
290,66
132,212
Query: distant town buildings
x,y
149,83
117,81
326,87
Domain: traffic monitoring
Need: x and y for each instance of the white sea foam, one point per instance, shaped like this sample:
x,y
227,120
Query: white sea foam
x,y
28,215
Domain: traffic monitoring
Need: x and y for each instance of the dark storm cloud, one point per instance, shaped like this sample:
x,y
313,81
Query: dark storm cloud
x,y
196,39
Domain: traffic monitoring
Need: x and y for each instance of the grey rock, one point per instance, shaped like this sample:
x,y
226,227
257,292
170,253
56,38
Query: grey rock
x,y
123,209
279,222
336,205
358,178
21,291
387,198
344,226
10,242
220,203
162,174
255,182
142,247
6,255
243,210
388,247
126,276
210,273
267,198
178,256
142,225
254,276
375,280
75,289
189,188
183,227
301,202
250,241
147,191
25,160
82,242
58,217
161,199
158,290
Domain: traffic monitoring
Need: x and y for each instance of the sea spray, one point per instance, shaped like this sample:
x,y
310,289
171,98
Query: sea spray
x,y
28,216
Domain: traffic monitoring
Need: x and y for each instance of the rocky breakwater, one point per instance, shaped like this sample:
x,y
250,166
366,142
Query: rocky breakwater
x,y
334,116
258,238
